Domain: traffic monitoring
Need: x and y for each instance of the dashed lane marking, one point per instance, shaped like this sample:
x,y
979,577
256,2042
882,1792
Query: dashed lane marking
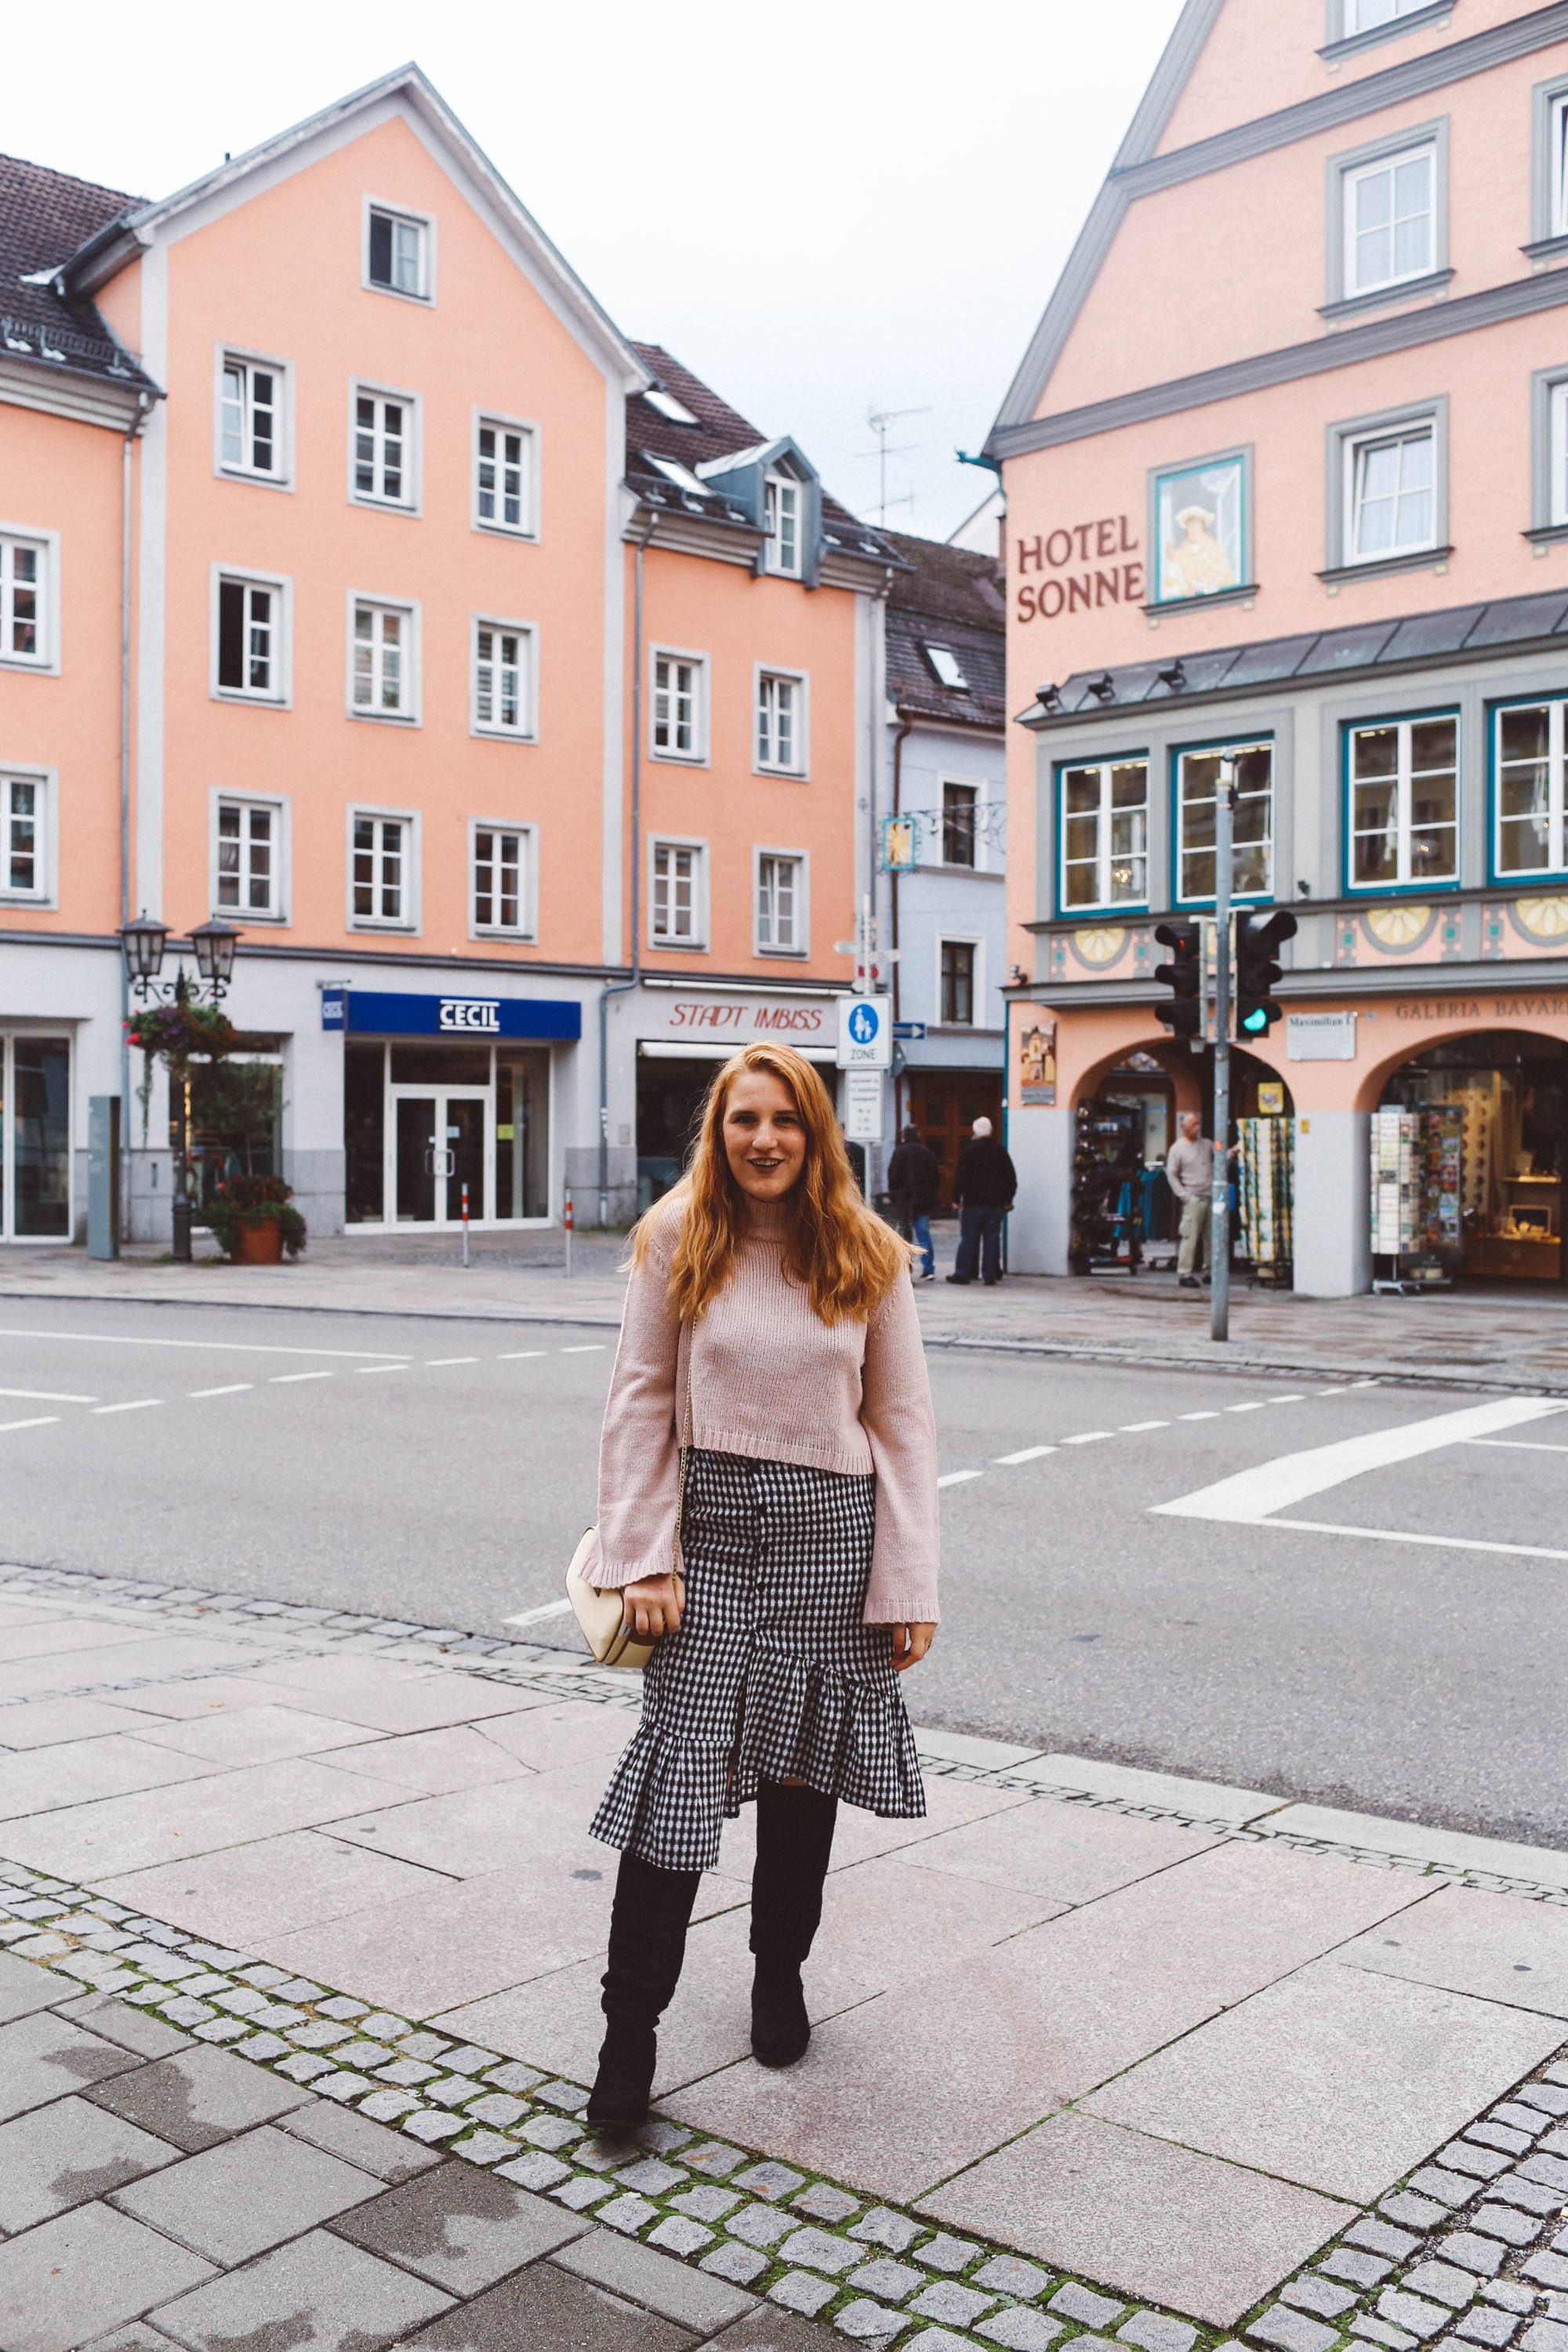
x,y
1519,1444
1297,1396
1089,1437
381,1368
1025,1453
591,1348
1253,1404
435,1362
38,1421
517,1355
212,1346
1136,1428
230,1388
957,1478
1211,1414
281,1380
46,1396
131,1404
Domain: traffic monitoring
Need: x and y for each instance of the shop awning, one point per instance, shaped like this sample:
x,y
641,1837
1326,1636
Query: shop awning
x,y
658,1049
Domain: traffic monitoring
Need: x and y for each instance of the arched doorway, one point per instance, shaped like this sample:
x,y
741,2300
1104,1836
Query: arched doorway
x,y
1127,1107
1470,1144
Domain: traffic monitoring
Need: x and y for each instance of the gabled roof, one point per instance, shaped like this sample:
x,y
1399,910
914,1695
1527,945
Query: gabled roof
x,y
952,597
45,218
1147,129
106,253
719,433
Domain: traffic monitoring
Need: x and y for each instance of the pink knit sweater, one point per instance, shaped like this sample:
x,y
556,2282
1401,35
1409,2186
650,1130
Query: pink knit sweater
x,y
770,1379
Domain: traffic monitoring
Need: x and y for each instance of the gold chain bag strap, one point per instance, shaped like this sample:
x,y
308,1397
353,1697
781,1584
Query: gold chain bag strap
x,y
601,1615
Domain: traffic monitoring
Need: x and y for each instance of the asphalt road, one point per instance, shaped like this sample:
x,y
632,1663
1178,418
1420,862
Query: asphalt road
x,y
1361,1629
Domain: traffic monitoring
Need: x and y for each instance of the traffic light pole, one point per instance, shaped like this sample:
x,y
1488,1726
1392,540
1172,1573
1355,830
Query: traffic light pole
x,y
1219,1212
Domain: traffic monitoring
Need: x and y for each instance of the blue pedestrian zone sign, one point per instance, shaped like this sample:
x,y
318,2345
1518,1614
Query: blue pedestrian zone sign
x,y
865,1034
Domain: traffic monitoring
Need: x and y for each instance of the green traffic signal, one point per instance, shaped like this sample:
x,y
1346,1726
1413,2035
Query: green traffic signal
x,y
1257,937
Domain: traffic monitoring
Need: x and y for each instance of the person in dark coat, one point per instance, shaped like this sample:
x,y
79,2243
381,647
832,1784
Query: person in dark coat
x,y
914,1180
985,1185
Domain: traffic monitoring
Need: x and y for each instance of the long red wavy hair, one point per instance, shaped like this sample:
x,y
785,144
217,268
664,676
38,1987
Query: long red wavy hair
x,y
838,1248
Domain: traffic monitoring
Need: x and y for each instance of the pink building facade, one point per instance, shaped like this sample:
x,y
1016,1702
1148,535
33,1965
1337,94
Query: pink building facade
x,y
1287,480
365,586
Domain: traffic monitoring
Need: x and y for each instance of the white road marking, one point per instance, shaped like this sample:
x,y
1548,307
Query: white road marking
x,y
279,1380
1363,1384
1212,1415
1254,1405
957,1478
451,1360
1297,1396
218,1347
233,1388
516,1355
47,1396
593,1348
131,1404
1089,1437
536,1616
38,1421
381,1368
1398,1535
1133,1428
1250,1495
1025,1453
1339,1392
1519,1444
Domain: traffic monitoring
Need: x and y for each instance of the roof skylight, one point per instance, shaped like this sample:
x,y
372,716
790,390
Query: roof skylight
x,y
947,666
667,405
681,476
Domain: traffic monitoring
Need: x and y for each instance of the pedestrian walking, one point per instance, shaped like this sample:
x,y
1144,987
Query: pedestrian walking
x,y
1190,1173
914,1181
769,1426
984,1186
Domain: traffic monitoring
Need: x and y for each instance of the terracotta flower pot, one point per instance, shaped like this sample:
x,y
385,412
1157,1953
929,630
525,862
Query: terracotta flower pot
x,y
260,1244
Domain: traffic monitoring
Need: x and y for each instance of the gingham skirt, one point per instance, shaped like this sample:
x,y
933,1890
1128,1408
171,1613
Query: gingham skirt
x,y
772,1677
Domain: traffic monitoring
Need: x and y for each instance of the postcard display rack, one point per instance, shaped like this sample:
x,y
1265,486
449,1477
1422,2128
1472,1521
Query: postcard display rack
x,y
1416,1160
1266,1173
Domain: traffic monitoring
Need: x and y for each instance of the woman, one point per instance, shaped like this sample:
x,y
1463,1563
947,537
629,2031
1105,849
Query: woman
x,y
770,1321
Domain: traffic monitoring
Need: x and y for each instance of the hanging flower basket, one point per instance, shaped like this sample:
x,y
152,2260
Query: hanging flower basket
x,y
182,1031
255,1220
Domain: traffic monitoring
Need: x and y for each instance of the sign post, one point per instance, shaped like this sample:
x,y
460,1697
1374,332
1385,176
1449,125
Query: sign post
x,y
1219,1209
567,1223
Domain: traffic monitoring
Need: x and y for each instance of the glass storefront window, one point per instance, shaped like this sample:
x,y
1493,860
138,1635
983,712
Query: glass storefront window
x,y
40,1206
423,1119
522,1132
364,1132
440,1066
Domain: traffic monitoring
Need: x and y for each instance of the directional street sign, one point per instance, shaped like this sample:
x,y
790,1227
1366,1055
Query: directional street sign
x,y
865,1034
912,1031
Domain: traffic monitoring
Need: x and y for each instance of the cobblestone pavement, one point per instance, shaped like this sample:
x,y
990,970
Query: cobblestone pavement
x,y
1514,1338
1181,2066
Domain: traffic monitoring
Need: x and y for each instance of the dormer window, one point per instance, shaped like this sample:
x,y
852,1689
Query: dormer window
x,y
781,522
948,668
397,257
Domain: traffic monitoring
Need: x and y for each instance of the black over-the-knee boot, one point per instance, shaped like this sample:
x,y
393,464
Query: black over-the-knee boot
x,y
794,1840
648,1943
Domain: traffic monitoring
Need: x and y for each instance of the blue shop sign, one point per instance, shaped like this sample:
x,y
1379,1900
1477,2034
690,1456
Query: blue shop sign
x,y
378,1013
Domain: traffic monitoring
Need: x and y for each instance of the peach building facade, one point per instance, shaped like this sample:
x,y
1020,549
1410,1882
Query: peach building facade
x,y
510,693
1287,480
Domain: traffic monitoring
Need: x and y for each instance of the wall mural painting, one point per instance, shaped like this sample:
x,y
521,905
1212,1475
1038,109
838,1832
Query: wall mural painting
x,y
1200,529
1038,1060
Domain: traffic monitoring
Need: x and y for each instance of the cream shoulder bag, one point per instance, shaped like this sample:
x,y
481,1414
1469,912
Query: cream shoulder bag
x,y
602,1614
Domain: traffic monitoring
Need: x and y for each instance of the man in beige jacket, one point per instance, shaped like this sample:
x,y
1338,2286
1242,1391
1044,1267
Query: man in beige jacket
x,y
1190,1172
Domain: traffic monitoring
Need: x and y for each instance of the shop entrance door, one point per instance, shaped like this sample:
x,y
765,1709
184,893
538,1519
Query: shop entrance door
x,y
439,1144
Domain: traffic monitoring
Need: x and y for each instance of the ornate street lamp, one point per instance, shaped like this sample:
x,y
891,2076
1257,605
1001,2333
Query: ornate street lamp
x,y
213,944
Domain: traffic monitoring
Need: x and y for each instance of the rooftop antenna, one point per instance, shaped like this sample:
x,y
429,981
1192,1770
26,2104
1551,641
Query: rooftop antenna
x,y
881,421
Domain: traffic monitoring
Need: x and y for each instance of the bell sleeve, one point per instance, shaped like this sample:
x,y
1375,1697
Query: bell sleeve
x,y
639,1444
896,1414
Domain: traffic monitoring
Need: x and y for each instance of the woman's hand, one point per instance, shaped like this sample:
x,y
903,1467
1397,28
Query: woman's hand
x,y
652,1607
910,1643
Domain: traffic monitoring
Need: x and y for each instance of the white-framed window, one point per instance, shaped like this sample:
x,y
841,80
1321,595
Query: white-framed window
x,y
1391,493
960,822
1530,818
1367,15
503,880
253,418
384,447
783,516
26,847
384,659
384,870
247,857
503,691
1105,835
1557,453
506,476
783,914
1390,220
399,255
958,981
1198,776
678,696
678,894
1404,803
781,741
1550,191
250,637
29,598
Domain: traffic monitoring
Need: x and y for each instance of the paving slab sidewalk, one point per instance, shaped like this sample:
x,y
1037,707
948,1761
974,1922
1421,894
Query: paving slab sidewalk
x,y
1098,2053
1460,1340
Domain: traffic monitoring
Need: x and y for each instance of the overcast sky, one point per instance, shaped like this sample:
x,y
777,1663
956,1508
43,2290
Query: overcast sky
x,y
823,209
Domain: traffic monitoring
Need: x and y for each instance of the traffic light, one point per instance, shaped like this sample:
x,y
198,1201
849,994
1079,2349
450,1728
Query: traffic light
x,y
1183,1014
1256,938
